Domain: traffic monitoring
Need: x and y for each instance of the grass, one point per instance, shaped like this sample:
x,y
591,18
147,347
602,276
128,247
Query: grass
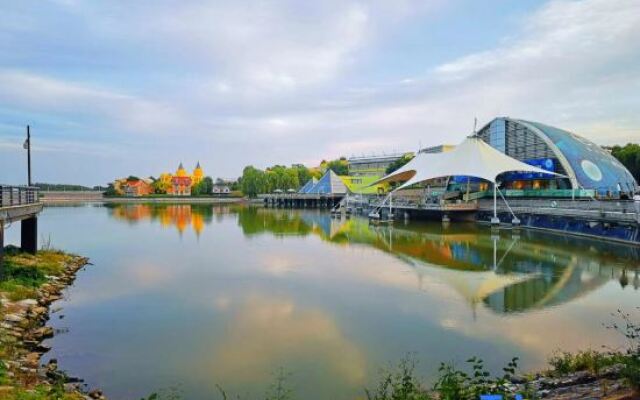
x,y
55,392
23,273
593,361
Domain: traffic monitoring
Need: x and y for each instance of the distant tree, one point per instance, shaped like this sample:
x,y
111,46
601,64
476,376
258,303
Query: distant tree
x,y
60,187
252,181
629,156
399,163
339,166
204,187
110,191
161,185
303,174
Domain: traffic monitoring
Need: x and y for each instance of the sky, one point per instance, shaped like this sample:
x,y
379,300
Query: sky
x,y
118,88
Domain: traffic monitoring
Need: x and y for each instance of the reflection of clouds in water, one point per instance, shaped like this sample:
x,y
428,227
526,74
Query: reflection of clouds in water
x,y
148,276
266,333
279,263
134,276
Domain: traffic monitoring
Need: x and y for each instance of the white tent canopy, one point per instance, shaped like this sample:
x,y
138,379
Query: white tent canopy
x,y
473,157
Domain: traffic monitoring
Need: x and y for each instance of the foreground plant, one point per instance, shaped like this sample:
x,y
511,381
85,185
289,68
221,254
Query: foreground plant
x,y
399,384
630,358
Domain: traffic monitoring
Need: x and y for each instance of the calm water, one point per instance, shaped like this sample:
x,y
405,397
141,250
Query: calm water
x,y
194,296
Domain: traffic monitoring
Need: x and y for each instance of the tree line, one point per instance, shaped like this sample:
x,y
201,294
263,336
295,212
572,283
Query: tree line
x,y
629,156
255,181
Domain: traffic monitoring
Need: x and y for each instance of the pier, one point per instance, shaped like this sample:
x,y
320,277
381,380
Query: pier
x,y
20,204
301,200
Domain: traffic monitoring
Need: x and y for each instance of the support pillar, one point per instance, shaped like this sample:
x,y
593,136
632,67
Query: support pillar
x,y
1,250
29,235
495,220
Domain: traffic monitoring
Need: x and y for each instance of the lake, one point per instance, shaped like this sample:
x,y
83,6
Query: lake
x,y
192,296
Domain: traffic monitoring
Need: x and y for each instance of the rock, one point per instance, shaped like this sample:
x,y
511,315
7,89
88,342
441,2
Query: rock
x,y
518,379
39,310
28,302
612,371
32,360
13,318
42,348
71,387
43,332
95,394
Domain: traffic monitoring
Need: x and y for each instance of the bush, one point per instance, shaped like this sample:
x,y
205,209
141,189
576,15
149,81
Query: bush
x,y
586,360
399,384
455,384
630,358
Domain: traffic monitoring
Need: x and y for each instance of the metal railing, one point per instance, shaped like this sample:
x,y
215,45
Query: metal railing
x,y
18,195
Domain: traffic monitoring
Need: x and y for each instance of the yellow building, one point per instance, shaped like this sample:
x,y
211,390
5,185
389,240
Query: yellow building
x,y
198,174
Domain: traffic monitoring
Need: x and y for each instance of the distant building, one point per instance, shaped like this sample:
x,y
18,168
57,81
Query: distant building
x,y
181,182
583,164
220,189
137,188
372,165
437,149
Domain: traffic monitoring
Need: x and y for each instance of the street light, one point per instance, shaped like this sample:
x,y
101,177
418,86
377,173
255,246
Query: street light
x,y
27,147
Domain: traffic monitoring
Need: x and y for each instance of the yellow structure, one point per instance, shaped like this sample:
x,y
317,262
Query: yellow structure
x,y
181,183
198,174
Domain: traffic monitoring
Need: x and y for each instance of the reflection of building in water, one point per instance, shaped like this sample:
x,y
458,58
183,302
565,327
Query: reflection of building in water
x,y
180,216
501,273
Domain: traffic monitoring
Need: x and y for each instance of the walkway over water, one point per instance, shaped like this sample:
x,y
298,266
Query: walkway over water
x,y
20,203
607,219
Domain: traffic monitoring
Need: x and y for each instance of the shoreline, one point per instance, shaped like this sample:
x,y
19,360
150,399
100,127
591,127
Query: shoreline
x,y
23,331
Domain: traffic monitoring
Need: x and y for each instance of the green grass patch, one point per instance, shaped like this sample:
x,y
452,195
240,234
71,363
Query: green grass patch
x,y
23,273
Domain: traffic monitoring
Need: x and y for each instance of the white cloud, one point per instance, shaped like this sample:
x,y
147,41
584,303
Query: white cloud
x,y
37,93
283,81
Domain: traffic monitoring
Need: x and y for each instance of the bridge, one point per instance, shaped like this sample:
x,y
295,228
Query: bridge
x,y
20,204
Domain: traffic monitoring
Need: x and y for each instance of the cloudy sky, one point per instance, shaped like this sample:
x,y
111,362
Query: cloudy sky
x,y
114,88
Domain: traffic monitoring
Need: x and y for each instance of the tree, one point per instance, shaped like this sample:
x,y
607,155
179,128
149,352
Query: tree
x,y
339,166
111,190
253,181
162,184
204,187
303,174
629,156
399,163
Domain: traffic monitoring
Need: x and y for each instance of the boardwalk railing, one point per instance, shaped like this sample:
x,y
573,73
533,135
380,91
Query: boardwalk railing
x,y
18,195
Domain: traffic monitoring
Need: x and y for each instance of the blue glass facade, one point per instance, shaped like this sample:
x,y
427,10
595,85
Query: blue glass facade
x,y
593,166
497,134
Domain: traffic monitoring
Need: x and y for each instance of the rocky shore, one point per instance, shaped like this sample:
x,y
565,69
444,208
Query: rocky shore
x,y
23,331
607,384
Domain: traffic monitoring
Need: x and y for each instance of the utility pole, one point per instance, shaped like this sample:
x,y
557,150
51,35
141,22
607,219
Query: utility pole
x,y
27,146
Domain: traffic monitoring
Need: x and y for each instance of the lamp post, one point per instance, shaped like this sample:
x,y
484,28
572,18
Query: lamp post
x,y
27,147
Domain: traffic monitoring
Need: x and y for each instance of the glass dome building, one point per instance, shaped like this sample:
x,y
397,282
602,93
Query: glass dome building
x,y
585,164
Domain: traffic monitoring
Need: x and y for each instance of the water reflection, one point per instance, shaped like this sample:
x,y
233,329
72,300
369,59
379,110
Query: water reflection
x,y
199,295
507,272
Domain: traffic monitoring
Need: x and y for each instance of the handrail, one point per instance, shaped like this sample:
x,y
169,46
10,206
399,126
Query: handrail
x,y
18,195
